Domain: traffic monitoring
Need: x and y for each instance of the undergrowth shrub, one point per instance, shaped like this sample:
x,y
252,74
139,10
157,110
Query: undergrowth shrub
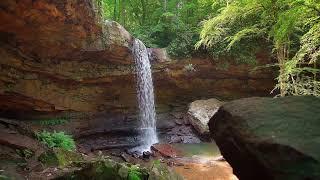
x,y
183,45
56,139
135,173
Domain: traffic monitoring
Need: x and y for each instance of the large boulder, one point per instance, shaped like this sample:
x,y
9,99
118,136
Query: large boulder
x,y
270,138
200,112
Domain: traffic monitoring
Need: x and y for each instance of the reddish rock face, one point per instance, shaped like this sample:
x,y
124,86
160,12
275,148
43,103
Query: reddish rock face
x,y
59,56
210,80
53,31
166,150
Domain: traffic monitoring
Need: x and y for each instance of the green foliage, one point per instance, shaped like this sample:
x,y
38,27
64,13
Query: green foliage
x,y
25,153
241,27
234,32
234,29
4,177
162,172
52,121
56,139
160,23
300,78
156,162
134,173
183,45
59,157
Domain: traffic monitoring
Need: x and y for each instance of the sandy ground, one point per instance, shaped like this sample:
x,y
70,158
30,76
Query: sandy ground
x,y
210,170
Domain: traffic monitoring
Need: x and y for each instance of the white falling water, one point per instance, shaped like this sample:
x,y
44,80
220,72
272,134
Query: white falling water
x,y
145,95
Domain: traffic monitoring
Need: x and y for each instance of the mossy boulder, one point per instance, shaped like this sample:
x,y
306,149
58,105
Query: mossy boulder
x,y
270,138
161,171
107,169
59,157
104,168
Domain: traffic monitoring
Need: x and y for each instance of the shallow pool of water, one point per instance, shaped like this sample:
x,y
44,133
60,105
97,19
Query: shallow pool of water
x,y
199,149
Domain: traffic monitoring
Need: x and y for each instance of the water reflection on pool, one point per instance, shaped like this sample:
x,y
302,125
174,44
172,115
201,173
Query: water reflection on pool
x,y
199,149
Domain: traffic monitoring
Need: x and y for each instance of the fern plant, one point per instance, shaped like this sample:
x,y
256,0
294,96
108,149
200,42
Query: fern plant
x,y
56,139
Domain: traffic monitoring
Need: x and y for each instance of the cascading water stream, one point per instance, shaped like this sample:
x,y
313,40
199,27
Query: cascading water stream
x,y
145,96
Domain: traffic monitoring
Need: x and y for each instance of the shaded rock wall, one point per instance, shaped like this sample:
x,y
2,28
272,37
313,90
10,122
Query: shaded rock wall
x,y
58,56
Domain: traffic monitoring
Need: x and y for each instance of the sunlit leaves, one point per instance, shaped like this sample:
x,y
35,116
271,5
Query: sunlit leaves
x,y
290,26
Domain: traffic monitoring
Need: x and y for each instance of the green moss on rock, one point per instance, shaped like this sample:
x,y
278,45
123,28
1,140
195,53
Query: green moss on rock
x,y
59,157
160,171
102,169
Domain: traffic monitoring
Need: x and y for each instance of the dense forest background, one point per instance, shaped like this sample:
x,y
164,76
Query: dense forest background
x,y
288,29
171,24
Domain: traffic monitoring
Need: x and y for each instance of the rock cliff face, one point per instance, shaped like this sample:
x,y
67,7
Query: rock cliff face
x,y
59,56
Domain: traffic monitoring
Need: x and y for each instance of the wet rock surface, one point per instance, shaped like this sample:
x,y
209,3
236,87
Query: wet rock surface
x,y
94,133
267,138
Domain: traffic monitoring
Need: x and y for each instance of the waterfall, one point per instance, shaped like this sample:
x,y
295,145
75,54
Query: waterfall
x,y
145,96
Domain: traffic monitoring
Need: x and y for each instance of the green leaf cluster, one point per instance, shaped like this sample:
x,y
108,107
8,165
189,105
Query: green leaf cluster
x,y
288,29
134,173
57,140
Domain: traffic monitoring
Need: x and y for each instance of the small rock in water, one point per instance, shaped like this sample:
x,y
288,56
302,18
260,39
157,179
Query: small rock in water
x,y
135,154
146,154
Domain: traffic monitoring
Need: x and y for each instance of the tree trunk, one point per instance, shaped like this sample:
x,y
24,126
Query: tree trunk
x,y
165,5
123,12
315,78
115,11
